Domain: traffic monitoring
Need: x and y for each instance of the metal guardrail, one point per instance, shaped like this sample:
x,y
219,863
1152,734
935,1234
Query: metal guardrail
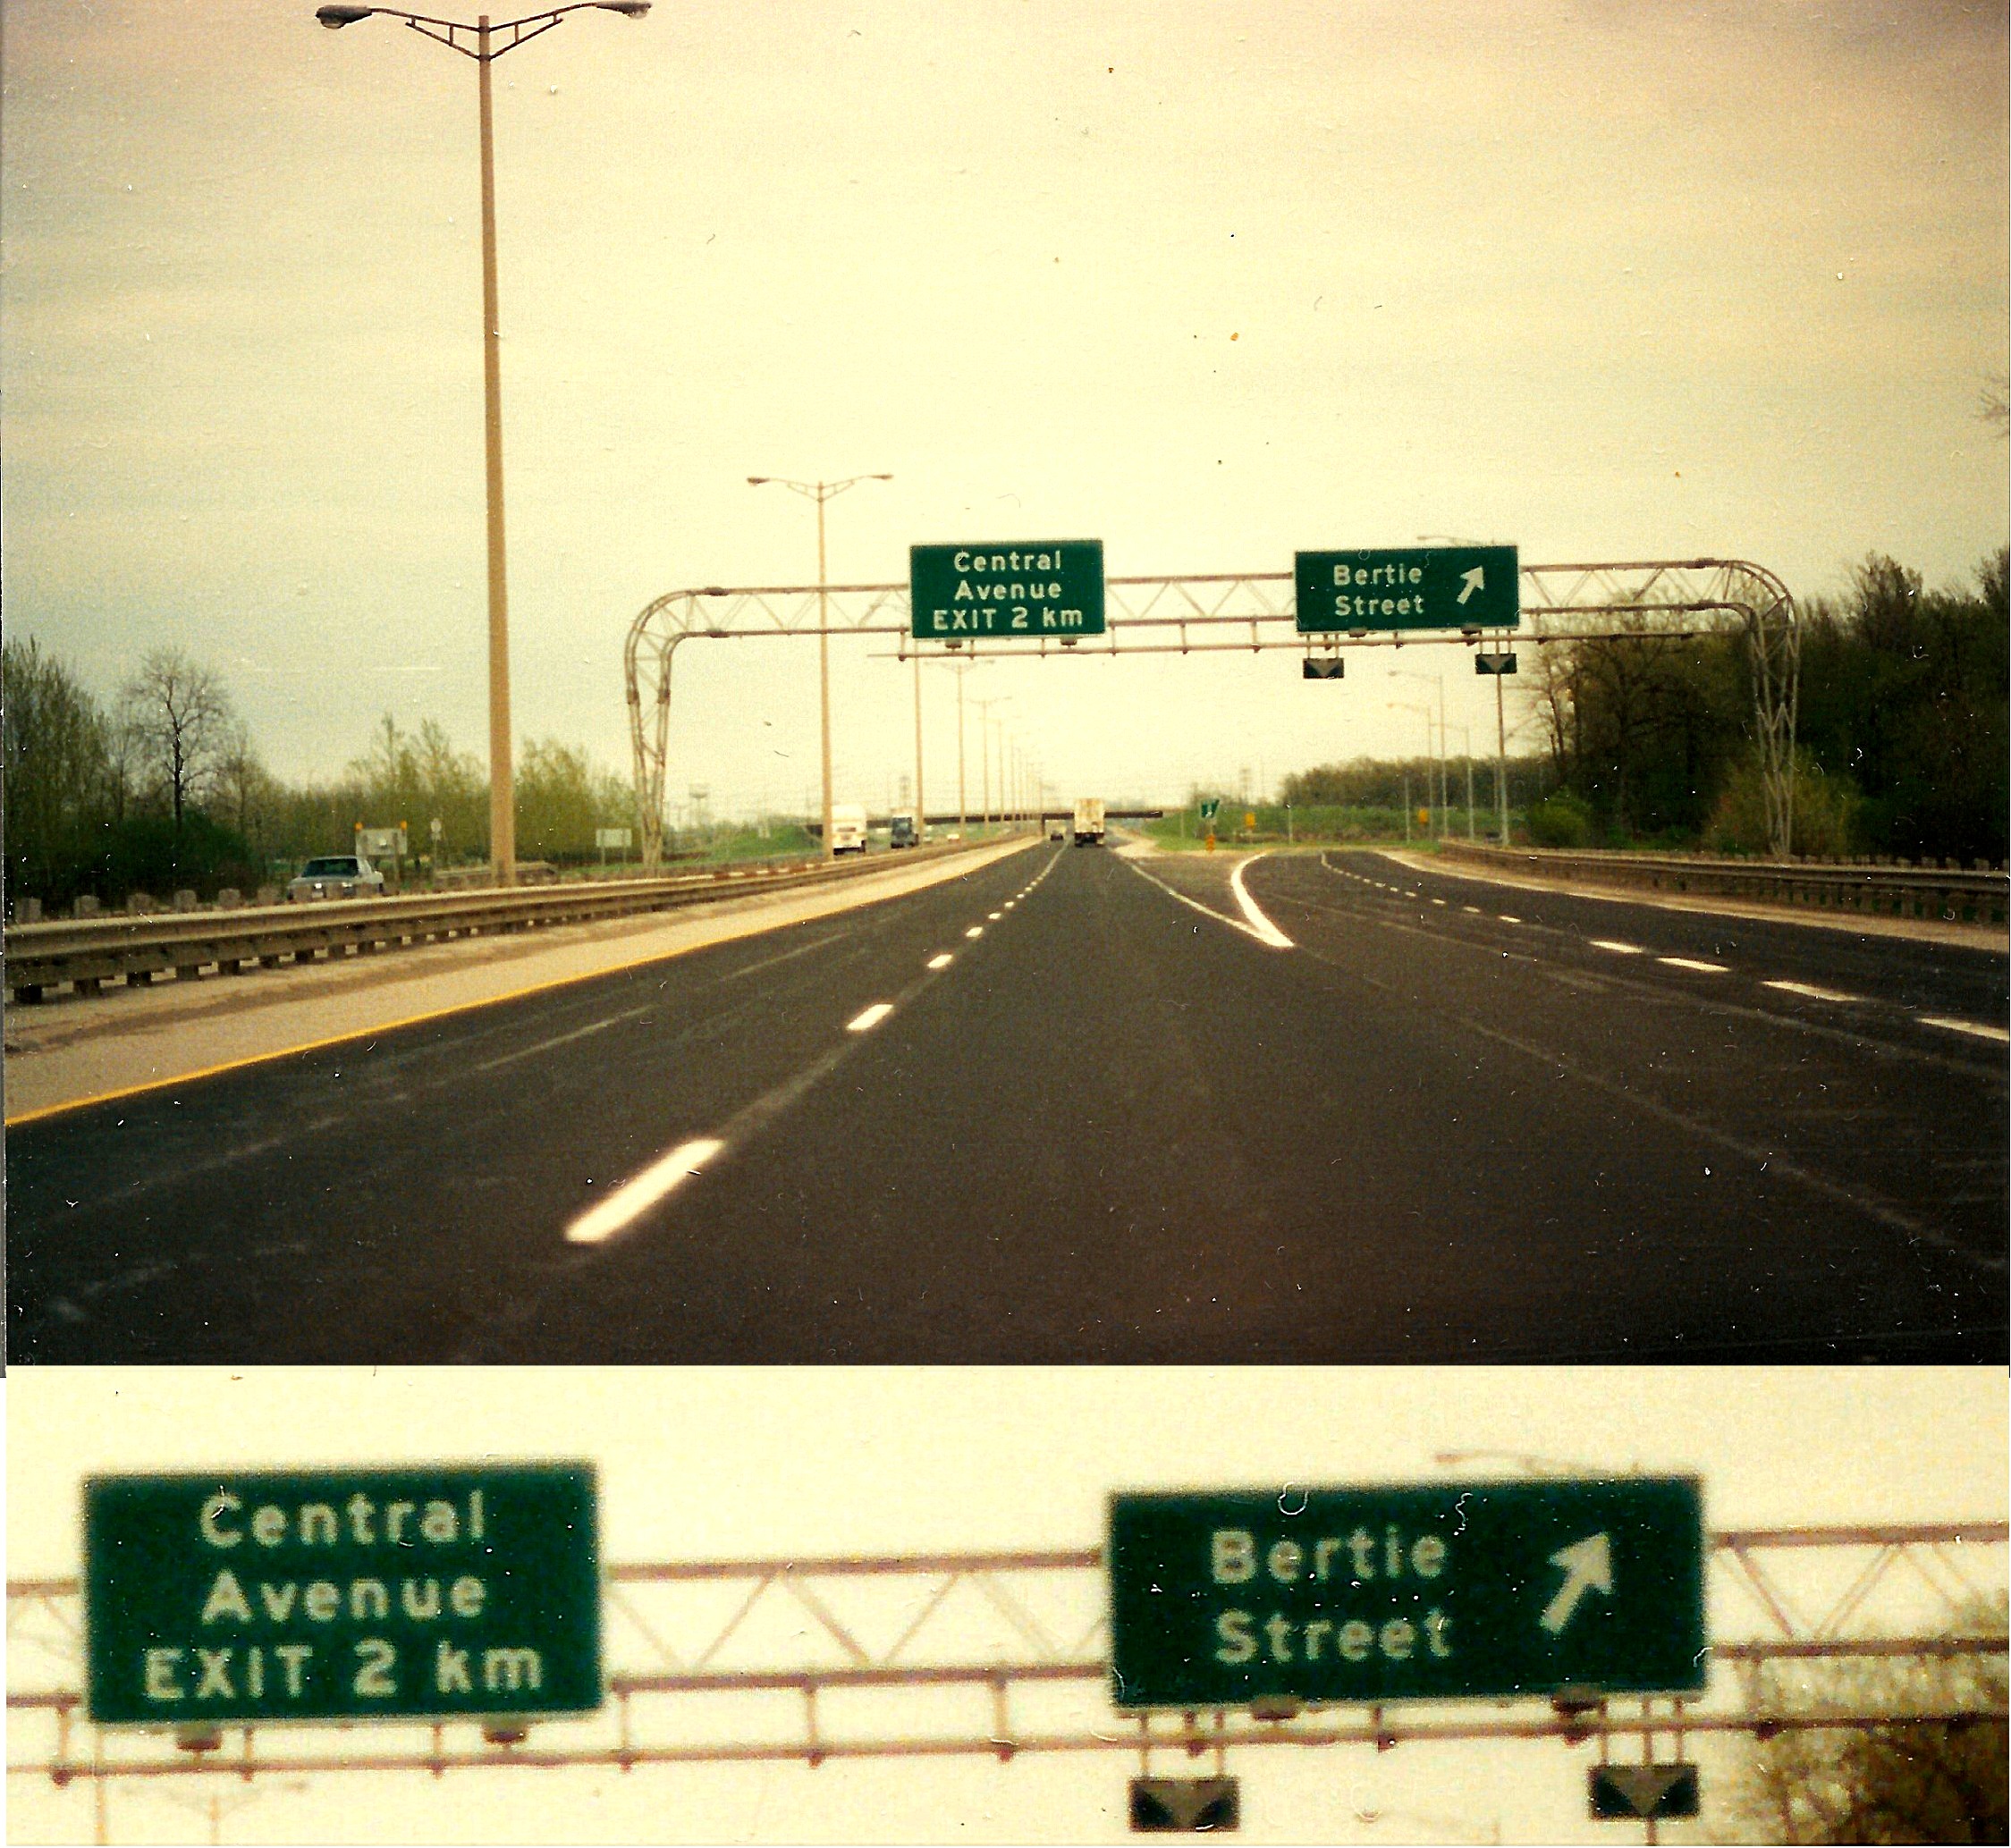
x,y
1950,895
85,953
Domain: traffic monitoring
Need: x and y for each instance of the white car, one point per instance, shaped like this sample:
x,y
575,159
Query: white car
x,y
336,876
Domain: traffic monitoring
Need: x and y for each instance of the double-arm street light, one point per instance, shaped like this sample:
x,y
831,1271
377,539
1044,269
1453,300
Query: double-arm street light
x,y
485,43
820,492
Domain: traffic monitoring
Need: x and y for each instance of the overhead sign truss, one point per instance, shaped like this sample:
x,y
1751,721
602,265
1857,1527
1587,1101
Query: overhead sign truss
x,y
1242,612
1000,1655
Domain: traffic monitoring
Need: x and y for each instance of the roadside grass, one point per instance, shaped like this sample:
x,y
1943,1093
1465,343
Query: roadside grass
x,y
1274,826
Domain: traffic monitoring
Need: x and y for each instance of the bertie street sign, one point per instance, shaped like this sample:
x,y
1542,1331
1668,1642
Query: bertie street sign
x,y
1031,588
1444,588
341,1594
1413,1592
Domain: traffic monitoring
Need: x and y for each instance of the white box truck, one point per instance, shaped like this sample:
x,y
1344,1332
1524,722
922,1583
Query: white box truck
x,y
848,828
1089,821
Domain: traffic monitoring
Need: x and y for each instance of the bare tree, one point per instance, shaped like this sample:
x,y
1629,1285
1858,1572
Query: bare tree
x,y
181,721
1909,1781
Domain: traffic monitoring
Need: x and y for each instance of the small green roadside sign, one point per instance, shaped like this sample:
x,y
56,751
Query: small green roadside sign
x,y
400,1593
1029,588
1407,587
1408,1592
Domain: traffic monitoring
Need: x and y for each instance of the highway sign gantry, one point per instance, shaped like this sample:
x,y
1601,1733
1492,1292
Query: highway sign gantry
x,y
447,1592
1462,588
1438,1591
1031,588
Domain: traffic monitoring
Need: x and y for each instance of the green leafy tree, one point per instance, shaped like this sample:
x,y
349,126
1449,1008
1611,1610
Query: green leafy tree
x,y
58,771
1903,693
563,798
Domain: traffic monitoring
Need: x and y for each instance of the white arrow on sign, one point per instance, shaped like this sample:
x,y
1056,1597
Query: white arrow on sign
x,y
1588,1567
1475,579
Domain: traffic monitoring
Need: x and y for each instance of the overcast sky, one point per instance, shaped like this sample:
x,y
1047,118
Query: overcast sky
x,y
1208,282
775,1463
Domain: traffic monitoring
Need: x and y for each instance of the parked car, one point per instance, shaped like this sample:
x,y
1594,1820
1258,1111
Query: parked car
x,y
335,876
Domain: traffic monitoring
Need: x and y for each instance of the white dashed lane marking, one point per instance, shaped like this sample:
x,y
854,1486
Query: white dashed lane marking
x,y
974,931
1812,992
634,1198
1684,962
939,962
865,1021
1619,949
1976,1028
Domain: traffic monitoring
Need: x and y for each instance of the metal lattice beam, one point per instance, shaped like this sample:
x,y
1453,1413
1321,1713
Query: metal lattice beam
x,y
1245,613
1002,1654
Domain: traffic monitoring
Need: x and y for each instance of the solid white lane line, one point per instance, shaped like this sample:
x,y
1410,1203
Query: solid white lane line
x,y
490,1065
974,931
1812,992
632,1199
1617,949
871,1019
939,962
1684,962
1260,926
1975,1027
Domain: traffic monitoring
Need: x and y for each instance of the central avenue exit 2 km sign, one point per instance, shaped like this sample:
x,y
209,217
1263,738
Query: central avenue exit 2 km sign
x,y
1407,587
1026,589
341,1594
1409,1592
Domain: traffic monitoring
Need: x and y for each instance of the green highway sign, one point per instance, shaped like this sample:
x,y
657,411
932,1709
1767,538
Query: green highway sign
x,y
445,1592
1424,587
1409,1592
1031,588
1209,805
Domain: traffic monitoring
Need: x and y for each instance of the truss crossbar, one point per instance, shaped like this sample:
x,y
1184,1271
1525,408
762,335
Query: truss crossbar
x,y
1193,614
920,1637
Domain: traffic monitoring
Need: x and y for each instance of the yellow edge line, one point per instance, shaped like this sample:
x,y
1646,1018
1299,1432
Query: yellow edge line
x,y
389,1026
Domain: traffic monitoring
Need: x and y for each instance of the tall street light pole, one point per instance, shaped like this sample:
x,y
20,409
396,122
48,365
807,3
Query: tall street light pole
x,y
960,668
820,492
486,50
1409,706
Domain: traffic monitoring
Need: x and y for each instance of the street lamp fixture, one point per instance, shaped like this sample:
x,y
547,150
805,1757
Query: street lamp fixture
x,y
486,50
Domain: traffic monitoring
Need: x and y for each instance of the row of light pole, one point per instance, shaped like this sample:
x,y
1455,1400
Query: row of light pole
x,y
484,42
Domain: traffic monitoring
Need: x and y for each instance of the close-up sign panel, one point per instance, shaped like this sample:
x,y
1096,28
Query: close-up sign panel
x,y
342,1594
1420,1593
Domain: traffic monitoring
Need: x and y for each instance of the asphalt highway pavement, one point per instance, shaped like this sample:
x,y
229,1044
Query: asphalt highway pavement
x,y
1078,1106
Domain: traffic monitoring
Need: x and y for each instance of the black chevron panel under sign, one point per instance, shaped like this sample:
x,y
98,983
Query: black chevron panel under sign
x,y
1652,1792
1185,1806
